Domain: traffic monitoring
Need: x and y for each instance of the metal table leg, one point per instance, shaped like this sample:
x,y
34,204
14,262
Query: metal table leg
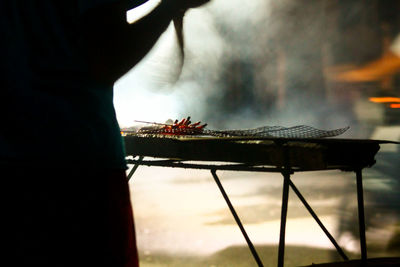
x,y
314,215
239,223
361,216
134,168
285,200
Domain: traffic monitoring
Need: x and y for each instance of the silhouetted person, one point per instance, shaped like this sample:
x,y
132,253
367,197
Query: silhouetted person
x,y
65,195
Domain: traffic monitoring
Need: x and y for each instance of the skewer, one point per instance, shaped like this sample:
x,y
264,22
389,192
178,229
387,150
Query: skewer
x,y
155,123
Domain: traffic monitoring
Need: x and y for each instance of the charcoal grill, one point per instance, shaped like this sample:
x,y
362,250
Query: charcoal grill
x,y
285,155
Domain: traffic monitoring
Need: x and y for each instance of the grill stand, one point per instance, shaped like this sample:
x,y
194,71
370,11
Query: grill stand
x,y
314,215
361,216
286,172
239,223
284,208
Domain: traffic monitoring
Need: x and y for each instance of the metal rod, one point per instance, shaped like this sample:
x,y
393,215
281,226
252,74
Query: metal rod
x,y
239,223
226,167
314,215
134,168
361,216
285,200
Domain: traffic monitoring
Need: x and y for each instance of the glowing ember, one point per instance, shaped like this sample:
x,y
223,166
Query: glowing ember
x,y
183,127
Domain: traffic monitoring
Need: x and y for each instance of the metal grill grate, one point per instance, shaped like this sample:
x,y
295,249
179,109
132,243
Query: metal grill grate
x,y
300,131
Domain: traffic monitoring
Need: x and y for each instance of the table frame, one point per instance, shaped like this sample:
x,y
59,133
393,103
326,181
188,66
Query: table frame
x,y
286,172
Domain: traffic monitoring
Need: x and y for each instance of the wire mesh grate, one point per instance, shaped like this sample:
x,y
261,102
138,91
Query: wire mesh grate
x,y
300,131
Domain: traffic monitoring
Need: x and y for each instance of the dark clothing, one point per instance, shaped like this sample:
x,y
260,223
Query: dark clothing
x,y
62,165
51,107
68,218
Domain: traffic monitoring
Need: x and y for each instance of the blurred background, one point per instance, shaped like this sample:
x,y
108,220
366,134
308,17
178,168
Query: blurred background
x,y
323,63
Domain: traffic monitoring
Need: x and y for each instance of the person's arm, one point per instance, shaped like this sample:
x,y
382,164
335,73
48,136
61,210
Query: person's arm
x,y
115,46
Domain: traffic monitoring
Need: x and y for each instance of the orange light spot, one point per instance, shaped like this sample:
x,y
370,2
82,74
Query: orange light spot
x,y
397,105
385,99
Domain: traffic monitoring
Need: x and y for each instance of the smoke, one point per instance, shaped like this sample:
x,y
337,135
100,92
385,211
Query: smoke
x,y
248,63
256,63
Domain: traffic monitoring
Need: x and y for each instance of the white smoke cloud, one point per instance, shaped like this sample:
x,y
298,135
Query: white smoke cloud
x,y
234,34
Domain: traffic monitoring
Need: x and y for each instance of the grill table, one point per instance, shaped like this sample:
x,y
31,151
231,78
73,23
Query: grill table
x,y
262,154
